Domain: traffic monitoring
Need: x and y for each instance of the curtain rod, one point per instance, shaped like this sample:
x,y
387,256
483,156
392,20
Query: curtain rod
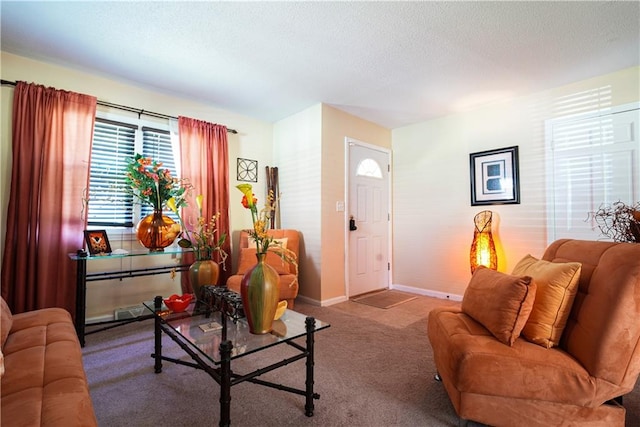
x,y
125,108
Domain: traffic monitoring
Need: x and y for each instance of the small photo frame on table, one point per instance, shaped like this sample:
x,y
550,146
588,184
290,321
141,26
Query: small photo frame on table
x,y
97,242
494,177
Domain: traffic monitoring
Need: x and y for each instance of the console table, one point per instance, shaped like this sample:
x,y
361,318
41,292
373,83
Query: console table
x,y
82,277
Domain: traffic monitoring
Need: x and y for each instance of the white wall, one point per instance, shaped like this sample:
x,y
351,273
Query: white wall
x,y
254,141
433,218
298,157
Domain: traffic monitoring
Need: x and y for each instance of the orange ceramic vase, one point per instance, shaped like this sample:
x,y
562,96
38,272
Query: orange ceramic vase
x,y
203,273
157,231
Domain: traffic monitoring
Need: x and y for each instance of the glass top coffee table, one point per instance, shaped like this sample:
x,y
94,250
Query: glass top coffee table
x,y
215,334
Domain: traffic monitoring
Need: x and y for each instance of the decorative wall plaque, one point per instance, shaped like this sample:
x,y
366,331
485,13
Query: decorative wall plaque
x,y
247,170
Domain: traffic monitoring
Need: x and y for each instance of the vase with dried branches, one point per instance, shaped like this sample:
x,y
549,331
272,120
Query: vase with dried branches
x,y
619,221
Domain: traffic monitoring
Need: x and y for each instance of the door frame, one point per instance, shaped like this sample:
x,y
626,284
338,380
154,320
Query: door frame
x,y
347,182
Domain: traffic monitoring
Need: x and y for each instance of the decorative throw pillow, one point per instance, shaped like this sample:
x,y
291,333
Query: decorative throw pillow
x,y
247,260
282,242
556,287
6,321
500,302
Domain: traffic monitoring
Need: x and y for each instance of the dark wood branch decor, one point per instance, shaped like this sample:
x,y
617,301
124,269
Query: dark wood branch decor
x,y
274,186
619,222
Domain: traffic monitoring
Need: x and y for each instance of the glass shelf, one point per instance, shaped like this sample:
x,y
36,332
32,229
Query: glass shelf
x,y
83,255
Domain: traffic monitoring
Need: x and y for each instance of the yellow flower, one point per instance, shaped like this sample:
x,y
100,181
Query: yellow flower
x,y
202,238
171,203
199,198
247,190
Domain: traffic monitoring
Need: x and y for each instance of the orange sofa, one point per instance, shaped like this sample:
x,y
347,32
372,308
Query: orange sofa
x,y
43,381
287,272
577,382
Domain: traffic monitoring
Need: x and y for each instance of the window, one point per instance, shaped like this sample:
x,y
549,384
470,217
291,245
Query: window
x,y
370,168
114,143
593,161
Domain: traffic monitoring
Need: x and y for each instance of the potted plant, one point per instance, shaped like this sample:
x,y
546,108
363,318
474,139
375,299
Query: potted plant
x,y
202,239
152,185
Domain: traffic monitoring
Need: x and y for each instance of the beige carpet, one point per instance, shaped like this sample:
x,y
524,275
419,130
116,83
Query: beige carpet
x,y
372,368
385,299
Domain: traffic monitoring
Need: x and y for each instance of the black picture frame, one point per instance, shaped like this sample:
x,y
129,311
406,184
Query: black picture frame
x,y
97,242
247,170
494,177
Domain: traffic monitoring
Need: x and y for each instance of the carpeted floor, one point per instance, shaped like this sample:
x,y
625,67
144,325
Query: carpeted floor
x,y
373,367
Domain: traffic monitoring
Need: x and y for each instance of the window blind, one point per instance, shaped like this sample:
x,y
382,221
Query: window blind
x,y
594,162
113,145
157,145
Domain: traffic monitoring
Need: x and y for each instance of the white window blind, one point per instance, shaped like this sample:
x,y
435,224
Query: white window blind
x,y
593,163
113,145
157,145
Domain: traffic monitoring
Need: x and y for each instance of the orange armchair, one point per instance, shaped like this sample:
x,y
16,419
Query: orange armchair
x,y
288,272
575,383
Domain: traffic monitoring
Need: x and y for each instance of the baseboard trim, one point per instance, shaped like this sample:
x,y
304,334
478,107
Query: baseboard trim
x,y
403,288
97,319
323,303
426,292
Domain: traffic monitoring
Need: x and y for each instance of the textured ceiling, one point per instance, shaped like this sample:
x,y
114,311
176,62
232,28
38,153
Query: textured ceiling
x,y
393,63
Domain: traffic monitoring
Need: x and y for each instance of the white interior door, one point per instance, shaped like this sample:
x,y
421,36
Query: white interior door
x,y
369,216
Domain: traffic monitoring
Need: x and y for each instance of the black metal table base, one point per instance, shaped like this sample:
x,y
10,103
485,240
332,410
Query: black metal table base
x,y
224,375
82,277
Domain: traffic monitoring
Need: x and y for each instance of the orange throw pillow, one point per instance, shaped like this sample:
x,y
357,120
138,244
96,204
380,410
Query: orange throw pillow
x,y
556,287
499,302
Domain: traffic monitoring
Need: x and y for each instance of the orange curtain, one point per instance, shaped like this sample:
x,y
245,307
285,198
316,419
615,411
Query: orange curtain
x,y
205,163
51,143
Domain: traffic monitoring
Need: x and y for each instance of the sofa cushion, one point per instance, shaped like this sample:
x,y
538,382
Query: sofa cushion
x,y
247,259
44,383
6,320
500,302
556,287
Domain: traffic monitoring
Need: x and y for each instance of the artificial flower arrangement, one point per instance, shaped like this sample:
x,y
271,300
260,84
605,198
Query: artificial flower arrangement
x,y
261,222
151,184
202,238
619,222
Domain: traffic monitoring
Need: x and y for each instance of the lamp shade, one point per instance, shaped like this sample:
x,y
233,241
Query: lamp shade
x,y
483,248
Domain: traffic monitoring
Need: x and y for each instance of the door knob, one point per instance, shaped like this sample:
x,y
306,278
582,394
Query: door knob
x,y
352,224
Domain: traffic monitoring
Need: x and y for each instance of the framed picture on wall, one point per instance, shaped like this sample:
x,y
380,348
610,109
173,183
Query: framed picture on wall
x,y
494,177
247,170
97,242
